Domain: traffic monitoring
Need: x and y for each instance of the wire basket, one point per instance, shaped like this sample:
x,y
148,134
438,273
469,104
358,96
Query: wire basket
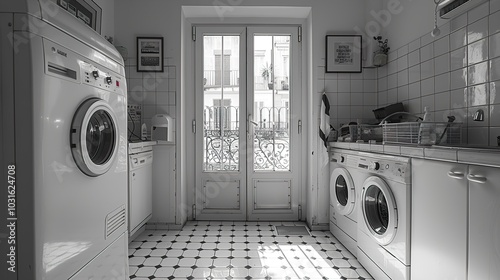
x,y
422,133
365,132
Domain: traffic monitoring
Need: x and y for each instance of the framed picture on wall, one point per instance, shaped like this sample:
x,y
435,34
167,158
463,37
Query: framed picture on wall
x,y
343,54
149,54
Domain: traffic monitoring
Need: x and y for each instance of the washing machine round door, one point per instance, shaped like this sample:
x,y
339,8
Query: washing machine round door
x,y
379,210
342,191
94,137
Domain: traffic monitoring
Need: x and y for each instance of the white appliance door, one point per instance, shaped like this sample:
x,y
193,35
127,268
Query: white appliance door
x,y
379,210
484,222
94,137
141,190
342,191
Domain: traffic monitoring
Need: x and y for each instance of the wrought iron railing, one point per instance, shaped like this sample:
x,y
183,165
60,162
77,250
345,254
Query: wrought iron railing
x,y
271,143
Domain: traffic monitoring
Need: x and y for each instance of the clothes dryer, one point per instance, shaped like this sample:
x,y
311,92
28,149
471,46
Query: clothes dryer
x,y
64,134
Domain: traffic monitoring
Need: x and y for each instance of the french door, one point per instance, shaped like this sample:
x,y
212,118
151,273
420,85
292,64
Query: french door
x,y
248,118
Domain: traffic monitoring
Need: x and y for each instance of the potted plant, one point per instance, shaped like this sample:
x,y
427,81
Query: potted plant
x,y
265,72
380,57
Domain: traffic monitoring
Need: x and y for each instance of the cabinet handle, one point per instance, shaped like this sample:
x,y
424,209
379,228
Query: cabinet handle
x,y
456,175
476,178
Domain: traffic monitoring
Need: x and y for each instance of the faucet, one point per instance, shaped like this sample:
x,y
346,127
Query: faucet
x,y
478,116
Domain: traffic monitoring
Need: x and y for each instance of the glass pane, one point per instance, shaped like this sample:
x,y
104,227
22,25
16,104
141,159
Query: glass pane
x,y
221,103
271,151
341,191
376,210
100,137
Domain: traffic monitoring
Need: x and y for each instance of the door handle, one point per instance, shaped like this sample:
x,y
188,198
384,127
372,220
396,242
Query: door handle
x,y
476,178
456,175
250,122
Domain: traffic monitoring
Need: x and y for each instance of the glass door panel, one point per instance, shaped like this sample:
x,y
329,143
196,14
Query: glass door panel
x,y
274,112
271,96
220,159
221,103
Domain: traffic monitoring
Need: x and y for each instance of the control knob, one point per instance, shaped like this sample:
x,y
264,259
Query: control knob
x,y
342,158
95,74
374,166
108,80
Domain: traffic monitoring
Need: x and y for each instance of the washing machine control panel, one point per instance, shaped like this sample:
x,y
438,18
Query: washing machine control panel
x,y
338,158
374,166
387,168
343,159
100,78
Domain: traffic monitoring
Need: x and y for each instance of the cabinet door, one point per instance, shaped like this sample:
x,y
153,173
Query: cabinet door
x,y
439,220
484,223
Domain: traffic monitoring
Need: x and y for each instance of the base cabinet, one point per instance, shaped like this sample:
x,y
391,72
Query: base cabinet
x,y
484,223
164,194
439,220
455,221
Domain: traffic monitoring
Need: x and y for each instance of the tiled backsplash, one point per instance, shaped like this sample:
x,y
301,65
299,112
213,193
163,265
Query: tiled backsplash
x,y
352,97
456,74
155,91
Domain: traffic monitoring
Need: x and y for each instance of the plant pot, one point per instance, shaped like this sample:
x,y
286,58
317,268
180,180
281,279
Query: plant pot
x,y
380,59
270,85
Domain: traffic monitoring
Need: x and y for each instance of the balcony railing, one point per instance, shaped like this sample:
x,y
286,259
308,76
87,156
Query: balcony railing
x,y
214,79
271,141
217,78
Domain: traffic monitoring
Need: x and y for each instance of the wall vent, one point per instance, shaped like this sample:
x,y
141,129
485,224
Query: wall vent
x,y
115,220
451,8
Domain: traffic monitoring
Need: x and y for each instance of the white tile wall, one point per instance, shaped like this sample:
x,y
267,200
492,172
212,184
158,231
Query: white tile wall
x,y
454,74
155,91
352,96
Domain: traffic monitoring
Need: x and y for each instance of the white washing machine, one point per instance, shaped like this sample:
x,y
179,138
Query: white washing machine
x,y
384,216
64,141
343,198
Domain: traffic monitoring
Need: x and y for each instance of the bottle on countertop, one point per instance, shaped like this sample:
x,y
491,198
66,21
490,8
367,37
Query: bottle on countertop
x,y
425,133
144,132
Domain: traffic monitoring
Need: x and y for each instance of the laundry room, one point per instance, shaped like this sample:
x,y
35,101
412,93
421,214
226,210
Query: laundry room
x,y
237,139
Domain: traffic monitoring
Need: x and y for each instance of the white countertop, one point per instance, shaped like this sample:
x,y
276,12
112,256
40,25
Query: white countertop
x,y
141,144
488,156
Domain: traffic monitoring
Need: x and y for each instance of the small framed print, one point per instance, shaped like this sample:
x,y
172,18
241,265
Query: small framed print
x,y
149,54
343,54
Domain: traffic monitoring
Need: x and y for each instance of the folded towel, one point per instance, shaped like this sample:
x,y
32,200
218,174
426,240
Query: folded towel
x,y
324,125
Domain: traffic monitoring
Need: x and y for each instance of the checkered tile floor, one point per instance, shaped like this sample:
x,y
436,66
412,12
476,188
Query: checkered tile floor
x,y
240,250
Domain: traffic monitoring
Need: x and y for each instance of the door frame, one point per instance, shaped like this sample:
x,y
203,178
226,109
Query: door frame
x,y
303,138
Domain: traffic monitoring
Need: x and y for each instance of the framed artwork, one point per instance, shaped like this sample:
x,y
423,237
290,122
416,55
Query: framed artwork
x,y
343,54
149,54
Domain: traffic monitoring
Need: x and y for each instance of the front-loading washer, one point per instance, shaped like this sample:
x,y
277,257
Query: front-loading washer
x,y
384,216
343,198
63,104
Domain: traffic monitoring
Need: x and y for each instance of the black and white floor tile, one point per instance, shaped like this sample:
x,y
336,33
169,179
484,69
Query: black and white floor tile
x,y
239,250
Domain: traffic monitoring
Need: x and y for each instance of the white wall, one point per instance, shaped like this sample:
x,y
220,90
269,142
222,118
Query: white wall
x,y
108,17
456,73
164,18
415,19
